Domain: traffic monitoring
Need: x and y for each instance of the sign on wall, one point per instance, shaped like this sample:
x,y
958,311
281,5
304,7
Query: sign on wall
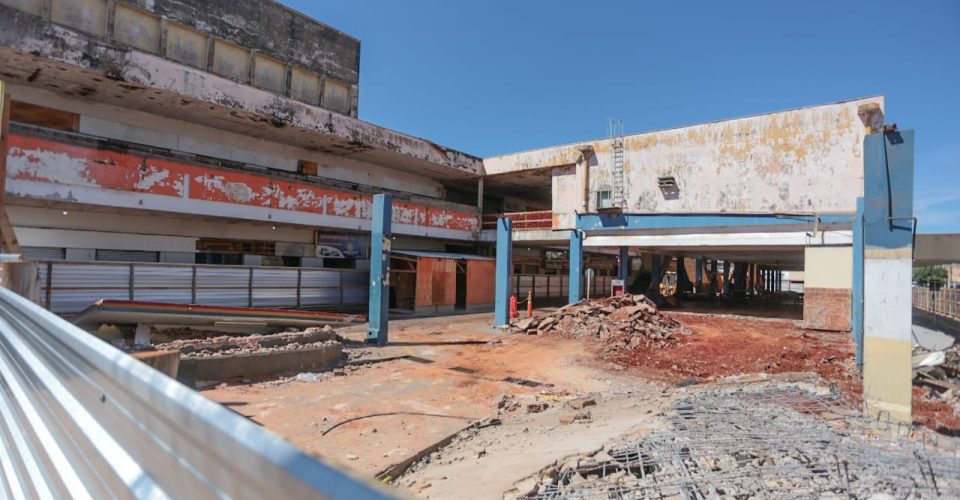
x,y
341,245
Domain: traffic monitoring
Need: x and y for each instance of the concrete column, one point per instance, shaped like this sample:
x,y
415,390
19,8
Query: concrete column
x,y
624,268
726,278
380,269
504,271
575,292
887,272
698,275
654,289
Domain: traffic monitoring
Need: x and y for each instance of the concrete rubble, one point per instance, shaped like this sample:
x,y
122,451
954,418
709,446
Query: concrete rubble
x,y
624,322
936,368
228,345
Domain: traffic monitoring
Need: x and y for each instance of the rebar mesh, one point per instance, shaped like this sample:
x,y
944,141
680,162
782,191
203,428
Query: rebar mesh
x,y
774,443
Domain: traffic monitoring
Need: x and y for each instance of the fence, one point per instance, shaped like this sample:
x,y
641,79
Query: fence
x,y
944,302
521,220
81,419
70,287
548,286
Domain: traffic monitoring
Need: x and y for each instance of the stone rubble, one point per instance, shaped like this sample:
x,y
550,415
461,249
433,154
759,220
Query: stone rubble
x,y
625,322
230,345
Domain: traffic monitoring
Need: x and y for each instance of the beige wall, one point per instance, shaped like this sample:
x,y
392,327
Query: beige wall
x,y
828,267
802,160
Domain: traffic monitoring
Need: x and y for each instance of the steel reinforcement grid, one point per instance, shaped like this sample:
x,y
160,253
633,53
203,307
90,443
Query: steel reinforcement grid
x,y
80,419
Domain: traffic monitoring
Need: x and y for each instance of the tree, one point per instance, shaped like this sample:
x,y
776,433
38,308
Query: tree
x,y
930,275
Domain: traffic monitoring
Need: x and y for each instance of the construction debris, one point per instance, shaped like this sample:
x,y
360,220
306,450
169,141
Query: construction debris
x,y
936,372
772,443
227,345
625,322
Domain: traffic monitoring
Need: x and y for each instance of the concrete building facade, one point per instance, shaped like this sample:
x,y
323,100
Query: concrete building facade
x,y
197,124
227,133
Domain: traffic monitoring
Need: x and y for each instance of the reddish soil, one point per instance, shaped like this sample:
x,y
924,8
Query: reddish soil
x,y
721,346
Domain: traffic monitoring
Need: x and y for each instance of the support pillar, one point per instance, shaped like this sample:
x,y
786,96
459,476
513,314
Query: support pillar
x,y
857,290
887,272
698,275
654,289
624,270
380,269
683,280
575,286
504,271
726,278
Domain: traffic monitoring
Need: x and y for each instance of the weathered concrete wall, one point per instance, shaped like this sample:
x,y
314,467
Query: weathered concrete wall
x,y
802,160
126,125
46,169
223,36
76,64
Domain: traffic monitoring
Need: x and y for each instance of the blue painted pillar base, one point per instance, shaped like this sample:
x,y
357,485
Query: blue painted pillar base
x,y
504,271
379,312
575,287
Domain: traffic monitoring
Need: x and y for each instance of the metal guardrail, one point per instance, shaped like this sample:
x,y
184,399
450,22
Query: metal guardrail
x,y
942,301
80,419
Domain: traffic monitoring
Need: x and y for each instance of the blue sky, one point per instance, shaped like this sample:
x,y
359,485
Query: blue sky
x,y
493,77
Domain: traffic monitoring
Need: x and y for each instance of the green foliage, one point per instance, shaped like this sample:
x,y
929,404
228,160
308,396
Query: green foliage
x,y
928,275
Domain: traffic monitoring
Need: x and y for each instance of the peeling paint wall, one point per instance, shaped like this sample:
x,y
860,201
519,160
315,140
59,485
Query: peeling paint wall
x,y
71,62
143,128
40,168
802,160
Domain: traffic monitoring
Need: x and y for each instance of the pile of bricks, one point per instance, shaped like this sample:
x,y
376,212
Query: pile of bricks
x,y
626,322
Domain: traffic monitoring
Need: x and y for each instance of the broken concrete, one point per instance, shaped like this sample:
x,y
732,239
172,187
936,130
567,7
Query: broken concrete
x,y
318,356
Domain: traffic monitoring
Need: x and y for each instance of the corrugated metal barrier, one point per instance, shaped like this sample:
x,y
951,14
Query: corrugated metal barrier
x,y
546,286
80,419
70,287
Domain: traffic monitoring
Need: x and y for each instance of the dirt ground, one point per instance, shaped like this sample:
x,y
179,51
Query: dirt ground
x,y
440,375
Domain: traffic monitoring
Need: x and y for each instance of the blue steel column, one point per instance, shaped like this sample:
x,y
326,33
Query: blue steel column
x,y
575,291
888,231
380,269
857,289
624,268
504,271
726,278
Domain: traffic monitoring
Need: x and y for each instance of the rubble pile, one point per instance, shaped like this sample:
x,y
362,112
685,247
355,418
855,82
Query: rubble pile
x,y
936,367
228,345
626,322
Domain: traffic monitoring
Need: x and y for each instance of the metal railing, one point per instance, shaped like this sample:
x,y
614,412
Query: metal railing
x,y
522,221
80,419
68,287
941,301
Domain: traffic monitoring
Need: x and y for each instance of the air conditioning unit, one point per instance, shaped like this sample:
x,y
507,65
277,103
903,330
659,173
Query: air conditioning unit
x,y
604,199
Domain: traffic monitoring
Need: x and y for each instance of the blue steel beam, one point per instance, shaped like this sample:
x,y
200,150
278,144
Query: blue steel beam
x,y
380,269
604,222
501,311
575,293
698,275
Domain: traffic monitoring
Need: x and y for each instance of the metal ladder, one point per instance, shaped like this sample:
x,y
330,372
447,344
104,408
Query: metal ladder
x,y
615,128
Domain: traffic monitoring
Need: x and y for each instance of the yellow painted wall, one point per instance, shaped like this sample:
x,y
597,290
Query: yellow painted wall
x,y
828,267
